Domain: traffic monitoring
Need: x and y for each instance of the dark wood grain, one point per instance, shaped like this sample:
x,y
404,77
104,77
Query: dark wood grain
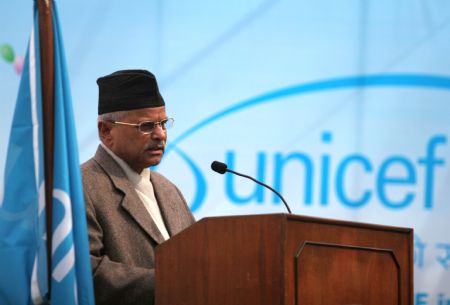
x,y
346,275
285,259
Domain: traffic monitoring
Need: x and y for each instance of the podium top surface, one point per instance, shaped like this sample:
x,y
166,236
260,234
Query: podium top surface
x,y
295,217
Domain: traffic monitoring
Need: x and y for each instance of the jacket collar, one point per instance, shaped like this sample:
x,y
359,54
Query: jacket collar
x,y
130,201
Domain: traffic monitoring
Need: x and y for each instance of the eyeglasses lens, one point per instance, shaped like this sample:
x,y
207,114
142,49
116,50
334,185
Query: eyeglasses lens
x,y
149,126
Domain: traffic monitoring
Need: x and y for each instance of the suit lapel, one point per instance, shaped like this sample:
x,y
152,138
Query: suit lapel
x,y
164,197
133,205
130,200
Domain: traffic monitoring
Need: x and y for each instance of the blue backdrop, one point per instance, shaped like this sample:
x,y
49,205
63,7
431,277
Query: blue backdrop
x,y
343,106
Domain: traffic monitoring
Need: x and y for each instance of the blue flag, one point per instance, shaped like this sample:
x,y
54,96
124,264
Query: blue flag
x,y
23,253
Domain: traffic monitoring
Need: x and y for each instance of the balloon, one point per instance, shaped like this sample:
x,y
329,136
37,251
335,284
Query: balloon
x,y
18,64
7,52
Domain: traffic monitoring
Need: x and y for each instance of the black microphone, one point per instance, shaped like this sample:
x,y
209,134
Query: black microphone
x,y
222,168
219,167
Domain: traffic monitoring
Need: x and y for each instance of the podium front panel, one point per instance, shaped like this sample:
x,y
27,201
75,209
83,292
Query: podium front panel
x,y
346,275
222,261
371,264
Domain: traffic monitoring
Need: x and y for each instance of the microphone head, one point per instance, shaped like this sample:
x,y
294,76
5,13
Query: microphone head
x,y
219,167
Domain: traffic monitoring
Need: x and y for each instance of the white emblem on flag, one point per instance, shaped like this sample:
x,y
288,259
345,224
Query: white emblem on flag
x,y
61,232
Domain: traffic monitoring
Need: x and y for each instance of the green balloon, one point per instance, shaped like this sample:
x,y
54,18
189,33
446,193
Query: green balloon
x,y
7,52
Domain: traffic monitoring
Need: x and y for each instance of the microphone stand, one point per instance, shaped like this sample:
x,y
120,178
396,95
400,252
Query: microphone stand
x,y
263,184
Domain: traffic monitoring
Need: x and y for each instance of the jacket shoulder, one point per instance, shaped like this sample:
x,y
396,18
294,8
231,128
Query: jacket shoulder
x,y
91,168
159,178
95,178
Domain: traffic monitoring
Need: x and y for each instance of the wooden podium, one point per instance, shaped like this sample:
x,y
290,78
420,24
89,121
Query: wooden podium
x,y
285,259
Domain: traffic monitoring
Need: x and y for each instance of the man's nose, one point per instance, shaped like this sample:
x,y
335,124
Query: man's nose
x,y
158,132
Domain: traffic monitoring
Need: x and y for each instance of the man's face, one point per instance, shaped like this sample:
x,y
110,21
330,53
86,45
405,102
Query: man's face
x,y
137,149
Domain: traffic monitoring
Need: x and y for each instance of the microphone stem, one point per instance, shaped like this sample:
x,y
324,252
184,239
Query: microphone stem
x,y
263,184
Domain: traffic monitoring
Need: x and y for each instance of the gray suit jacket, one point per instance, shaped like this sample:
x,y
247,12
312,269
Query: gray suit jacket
x,y
122,235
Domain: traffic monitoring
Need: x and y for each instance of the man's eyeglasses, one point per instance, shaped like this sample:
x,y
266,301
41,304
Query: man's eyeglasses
x,y
148,126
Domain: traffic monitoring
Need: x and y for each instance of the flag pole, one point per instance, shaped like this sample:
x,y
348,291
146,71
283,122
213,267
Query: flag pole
x,y
47,77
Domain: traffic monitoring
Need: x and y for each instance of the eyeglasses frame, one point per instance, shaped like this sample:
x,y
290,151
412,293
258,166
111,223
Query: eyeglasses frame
x,y
138,125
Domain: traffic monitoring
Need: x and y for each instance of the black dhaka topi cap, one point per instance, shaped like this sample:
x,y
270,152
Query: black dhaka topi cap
x,y
127,90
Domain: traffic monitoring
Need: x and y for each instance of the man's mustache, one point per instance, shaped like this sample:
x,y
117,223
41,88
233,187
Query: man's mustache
x,y
156,146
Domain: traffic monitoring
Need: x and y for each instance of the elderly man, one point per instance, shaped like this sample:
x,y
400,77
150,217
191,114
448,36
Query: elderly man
x,y
130,209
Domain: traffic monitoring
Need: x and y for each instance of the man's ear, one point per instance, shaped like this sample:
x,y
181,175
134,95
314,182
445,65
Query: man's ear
x,y
104,132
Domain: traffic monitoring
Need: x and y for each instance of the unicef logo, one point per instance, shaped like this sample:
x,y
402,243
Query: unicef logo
x,y
327,173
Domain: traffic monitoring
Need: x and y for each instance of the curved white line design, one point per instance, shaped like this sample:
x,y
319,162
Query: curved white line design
x,y
61,232
65,265
34,117
65,226
41,204
36,294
